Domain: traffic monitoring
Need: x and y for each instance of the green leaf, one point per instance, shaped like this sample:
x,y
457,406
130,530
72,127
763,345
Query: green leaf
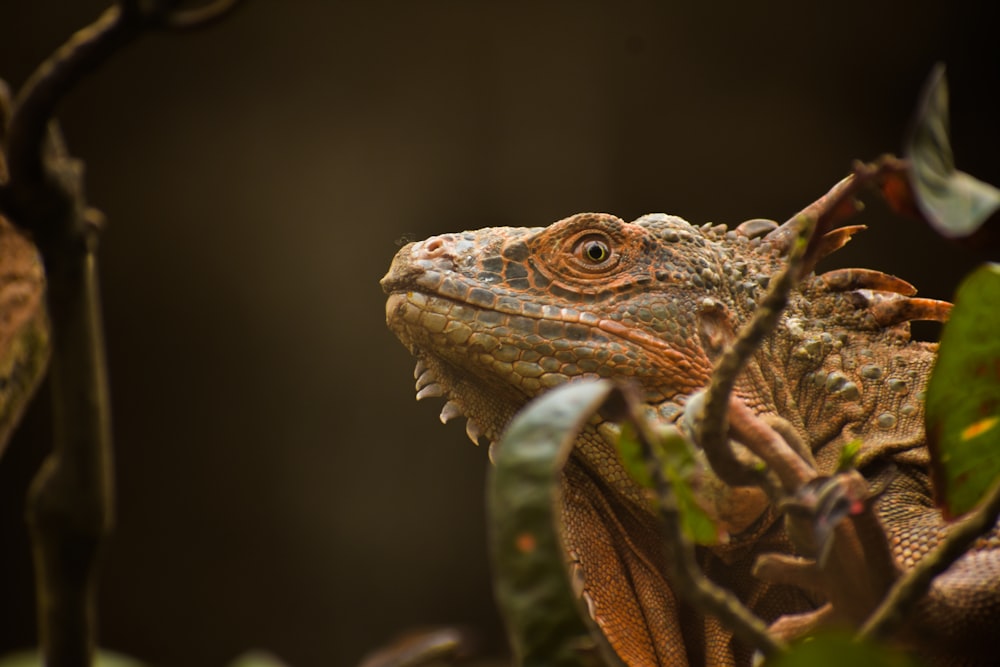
x,y
544,618
837,650
679,467
955,203
963,396
630,453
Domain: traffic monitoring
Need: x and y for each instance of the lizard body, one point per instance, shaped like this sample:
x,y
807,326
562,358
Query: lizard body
x,y
497,316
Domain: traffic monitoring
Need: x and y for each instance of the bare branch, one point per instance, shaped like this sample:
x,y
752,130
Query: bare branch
x,y
36,103
711,424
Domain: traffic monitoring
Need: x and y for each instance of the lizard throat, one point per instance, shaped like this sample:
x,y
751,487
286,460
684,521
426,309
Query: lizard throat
x,y
454,365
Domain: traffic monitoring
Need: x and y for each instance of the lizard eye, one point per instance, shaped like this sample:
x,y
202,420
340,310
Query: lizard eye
x,y
593,250
585,247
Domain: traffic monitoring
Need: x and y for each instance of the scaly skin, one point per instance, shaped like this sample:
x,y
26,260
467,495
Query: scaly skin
x,y
497,316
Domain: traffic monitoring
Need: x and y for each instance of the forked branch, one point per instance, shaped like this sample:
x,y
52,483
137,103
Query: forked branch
x,y
70,504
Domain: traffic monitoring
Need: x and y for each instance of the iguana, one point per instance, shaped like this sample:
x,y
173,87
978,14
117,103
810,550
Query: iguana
x,y
497,316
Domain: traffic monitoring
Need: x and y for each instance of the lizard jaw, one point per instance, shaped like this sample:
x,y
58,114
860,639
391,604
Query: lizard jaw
x,y
487,402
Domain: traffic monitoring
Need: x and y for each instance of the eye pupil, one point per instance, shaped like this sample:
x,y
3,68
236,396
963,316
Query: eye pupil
x,y
596,251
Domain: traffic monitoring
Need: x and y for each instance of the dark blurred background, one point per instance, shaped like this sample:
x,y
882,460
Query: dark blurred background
x,y
278,486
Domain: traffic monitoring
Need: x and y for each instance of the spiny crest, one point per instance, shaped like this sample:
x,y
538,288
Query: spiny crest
x,y
863,298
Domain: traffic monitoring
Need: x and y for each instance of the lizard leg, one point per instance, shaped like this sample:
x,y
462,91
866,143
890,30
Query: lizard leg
x,y
830,520
873,540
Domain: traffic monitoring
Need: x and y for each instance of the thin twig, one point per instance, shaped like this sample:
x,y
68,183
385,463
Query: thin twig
x,y
802,235
711,423
683,573
25,196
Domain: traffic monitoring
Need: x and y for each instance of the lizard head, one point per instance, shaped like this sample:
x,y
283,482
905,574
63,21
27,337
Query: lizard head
x,y
497,316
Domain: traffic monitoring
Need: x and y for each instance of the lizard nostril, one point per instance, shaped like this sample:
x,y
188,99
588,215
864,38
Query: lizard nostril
x,y
433,248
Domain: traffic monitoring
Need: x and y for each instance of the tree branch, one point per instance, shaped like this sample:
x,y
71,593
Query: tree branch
x,y
71,500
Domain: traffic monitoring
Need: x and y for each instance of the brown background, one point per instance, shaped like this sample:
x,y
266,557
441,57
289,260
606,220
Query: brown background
x,y
278,485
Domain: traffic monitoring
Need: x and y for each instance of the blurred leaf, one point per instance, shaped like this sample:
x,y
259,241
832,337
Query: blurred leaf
x,y
848,455
955,203
543,615
837,650
678,464
963,396
257,658
630,453
103,659
679,467
424,646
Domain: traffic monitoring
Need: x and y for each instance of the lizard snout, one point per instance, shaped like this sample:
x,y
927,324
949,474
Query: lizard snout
x,y
434,255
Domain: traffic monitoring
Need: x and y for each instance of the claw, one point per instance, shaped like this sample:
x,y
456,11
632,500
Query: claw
x,y
419,369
